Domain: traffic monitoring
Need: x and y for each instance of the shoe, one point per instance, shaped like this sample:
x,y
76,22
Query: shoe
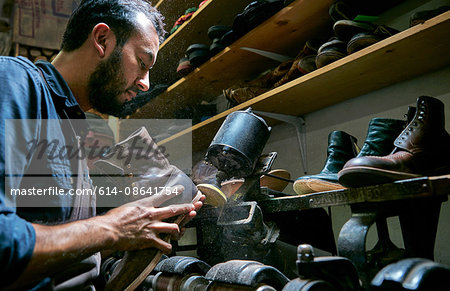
x,y
237,95
310,48
361,40
364,39
138,162
197,54
421,149
331,51
254,14
217,31
307,64
381,134
216,47
274,183
380,137
346,29
422,16
241,95
184,67
228,38
341,148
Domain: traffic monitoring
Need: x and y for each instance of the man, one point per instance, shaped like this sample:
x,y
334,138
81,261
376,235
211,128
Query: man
x,y
107,52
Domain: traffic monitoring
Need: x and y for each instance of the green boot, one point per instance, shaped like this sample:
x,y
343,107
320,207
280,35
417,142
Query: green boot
x,y
380,136
341,148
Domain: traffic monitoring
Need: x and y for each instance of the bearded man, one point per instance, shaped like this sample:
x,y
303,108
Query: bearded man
x,y
107,51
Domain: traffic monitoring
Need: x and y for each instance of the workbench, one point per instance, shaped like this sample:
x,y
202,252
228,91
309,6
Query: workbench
x,y
416,202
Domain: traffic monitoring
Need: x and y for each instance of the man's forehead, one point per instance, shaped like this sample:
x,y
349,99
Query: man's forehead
x,y
144,21
146,36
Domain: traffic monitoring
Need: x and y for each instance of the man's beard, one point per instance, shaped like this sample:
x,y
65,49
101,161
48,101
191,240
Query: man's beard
x,y
106,84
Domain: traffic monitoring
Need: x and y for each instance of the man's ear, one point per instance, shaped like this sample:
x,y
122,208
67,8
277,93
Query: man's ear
x,y
103,39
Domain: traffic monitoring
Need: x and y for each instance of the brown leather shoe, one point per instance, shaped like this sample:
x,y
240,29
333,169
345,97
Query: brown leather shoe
x,y
310,48
422,149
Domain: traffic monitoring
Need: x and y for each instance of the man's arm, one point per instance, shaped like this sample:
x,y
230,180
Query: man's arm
x,y
135,225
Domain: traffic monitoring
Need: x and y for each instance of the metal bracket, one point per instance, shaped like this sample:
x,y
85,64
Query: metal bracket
x,y
299,123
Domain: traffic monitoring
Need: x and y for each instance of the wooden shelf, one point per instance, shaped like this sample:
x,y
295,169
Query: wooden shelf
x,y
284,33
418,50
193,31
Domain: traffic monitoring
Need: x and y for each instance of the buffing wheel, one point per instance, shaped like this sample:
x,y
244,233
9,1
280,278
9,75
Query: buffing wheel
x,y
214,196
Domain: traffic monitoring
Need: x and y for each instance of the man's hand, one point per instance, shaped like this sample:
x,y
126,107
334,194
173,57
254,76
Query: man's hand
x,y
138,224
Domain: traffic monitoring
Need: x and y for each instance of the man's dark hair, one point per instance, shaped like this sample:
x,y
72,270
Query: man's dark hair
x,y
119,15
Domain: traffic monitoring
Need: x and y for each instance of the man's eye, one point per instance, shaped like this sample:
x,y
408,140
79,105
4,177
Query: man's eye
x,y
143,65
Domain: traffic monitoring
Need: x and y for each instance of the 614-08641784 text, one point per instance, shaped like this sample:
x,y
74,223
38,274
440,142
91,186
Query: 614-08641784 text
x,y
107,191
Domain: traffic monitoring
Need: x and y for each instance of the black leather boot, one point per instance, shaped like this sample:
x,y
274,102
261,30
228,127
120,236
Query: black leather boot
x,y
341,148
421,149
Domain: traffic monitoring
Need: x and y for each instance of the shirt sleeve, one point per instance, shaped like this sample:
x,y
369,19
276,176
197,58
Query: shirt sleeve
x,y
19,99
17,239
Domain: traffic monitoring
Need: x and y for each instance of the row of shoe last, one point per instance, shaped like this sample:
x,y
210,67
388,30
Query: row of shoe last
x,y
350,36
222,36
315,53
302,64
393,150
197,54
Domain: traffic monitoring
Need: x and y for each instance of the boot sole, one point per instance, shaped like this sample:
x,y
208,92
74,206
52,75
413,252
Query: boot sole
x,y
307,186
367,176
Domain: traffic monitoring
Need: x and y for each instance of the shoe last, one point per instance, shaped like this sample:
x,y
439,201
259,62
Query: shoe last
x,y
422,16
364,39
345,29
331,51
361,40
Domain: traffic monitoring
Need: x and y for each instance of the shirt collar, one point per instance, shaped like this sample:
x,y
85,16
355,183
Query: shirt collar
x,y
57,83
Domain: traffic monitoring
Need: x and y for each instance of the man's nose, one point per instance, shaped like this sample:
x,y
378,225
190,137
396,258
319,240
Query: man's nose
x,y
143,82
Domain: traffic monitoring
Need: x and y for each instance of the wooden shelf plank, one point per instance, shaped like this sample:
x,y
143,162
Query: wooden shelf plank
x,y
285,33
418,50
213,12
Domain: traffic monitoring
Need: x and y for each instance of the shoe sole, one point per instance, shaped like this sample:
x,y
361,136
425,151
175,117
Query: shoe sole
x,y
274,183
307,186
367,176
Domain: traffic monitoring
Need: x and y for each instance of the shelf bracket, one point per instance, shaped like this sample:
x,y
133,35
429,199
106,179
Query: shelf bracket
x,y
299,123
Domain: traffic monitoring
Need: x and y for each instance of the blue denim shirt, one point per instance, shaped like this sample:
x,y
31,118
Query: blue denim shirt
x,y
24,95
